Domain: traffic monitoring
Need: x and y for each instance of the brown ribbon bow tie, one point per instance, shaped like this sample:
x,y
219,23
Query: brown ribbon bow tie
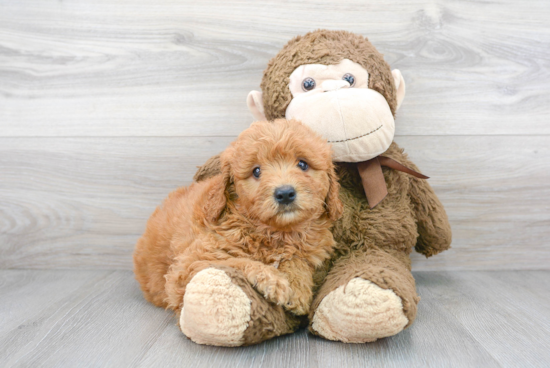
x,y
373,178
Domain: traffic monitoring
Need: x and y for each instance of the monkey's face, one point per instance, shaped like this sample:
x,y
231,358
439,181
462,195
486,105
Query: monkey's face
x,y
336,102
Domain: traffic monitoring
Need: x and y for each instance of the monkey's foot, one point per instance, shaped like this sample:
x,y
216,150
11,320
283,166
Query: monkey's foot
x,y
216,311
220,307
359,312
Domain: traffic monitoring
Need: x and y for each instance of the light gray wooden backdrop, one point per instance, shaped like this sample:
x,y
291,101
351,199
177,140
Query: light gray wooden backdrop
x,y
106,106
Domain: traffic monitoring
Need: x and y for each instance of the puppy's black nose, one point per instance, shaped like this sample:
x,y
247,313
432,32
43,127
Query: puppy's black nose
x,y
285,194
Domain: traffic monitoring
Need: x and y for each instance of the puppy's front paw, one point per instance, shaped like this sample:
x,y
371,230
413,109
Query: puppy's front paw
x,y
273,287
299,303
277,291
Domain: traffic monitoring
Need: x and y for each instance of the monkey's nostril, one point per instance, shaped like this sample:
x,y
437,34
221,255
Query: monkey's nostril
x,y
285,194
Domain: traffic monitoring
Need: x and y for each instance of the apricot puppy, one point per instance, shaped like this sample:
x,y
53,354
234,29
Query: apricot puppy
x,y
267,214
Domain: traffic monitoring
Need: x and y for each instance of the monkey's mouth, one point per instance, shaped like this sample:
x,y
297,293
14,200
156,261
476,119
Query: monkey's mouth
x,y
360,136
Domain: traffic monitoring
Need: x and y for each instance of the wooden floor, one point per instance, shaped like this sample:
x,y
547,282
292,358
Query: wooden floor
x,y
73,318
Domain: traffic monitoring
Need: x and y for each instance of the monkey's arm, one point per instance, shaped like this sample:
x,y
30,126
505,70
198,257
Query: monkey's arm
x,y
210,168
434,230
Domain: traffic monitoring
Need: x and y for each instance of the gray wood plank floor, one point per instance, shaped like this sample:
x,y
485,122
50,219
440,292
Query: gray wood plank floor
x,y
55,318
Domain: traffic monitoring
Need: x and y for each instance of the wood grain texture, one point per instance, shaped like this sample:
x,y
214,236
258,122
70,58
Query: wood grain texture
x,y
103,323
465,319
184,68
503,309
83,202
74,203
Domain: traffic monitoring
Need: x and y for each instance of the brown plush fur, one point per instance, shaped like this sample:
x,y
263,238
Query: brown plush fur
x,y
373,244
231,221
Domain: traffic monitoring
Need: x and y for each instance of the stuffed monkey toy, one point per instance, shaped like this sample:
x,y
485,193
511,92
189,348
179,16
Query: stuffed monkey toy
x,y
337,83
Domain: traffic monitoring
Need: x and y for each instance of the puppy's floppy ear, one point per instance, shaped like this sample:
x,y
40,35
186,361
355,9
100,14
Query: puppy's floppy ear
x,y
215,196
333,203
210,168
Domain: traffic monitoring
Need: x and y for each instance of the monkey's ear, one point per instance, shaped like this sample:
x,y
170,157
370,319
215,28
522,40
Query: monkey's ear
x,y
255,104
399,86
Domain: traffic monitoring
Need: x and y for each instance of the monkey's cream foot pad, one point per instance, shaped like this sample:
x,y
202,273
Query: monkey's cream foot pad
x,y
359,312
216,311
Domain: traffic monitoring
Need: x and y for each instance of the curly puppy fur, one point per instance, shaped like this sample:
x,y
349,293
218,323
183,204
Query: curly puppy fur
x,y
232,220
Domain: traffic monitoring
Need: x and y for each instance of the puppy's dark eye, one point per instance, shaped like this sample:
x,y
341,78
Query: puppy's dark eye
x,y
349,78
256,172
308,84
303,165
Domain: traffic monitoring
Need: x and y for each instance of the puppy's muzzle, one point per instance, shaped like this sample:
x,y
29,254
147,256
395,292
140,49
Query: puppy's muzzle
x,y
285,194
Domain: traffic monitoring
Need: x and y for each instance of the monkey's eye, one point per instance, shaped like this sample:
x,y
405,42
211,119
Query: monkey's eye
x,y
349,78
256,172
308,84
303,165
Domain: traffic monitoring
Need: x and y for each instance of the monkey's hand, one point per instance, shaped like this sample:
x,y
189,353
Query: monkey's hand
x,y
434,229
